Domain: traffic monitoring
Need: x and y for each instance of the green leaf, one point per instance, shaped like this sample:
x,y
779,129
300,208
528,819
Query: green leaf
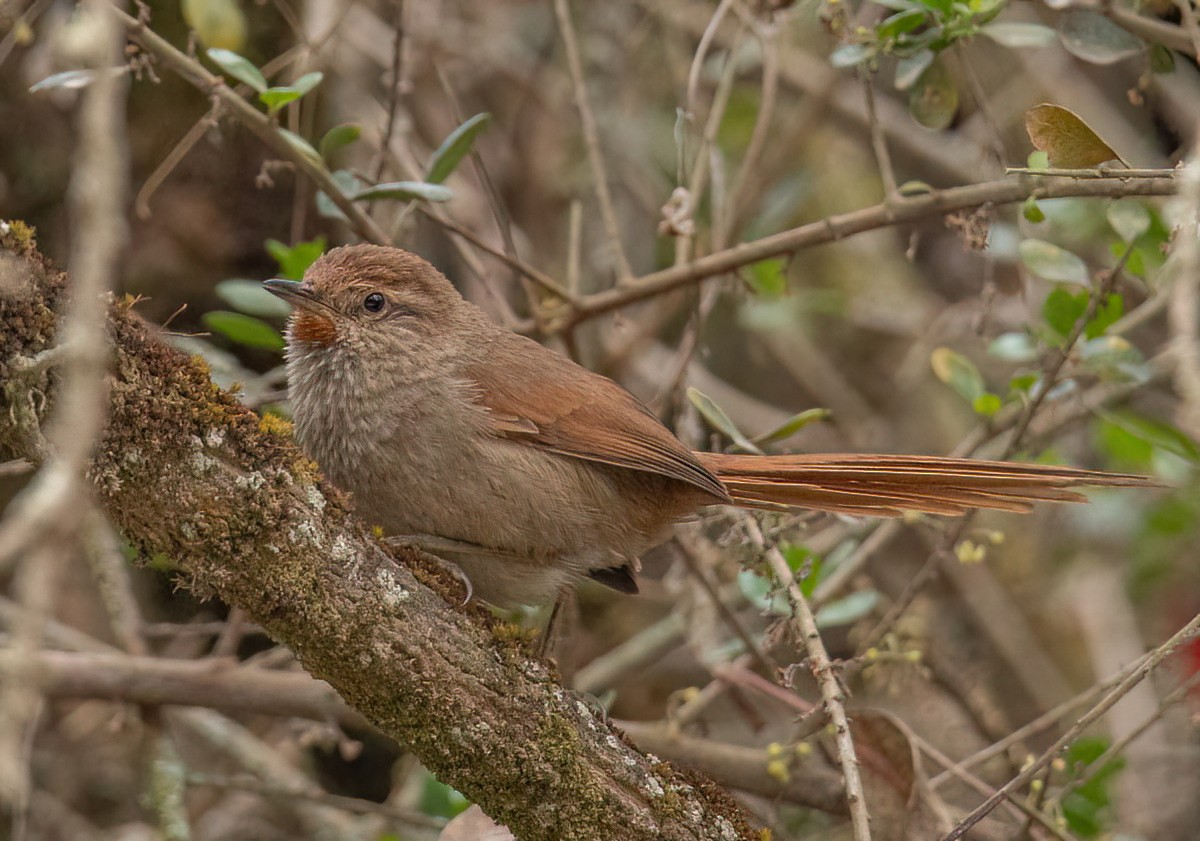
x,y
1162,60
455,147
1013,347
1032,211
405,191
851,55
1016,34
933,100
244,329
846,610
294,261
217,23
1159,433
1096,39
791,426
914,188
302,146
69,80
276,98
1050,262
1061,309
767,278
797,558
249,297
1122,447
1128,218
1021,383
910,68
987,404
238,67
720,421
900,23
958,372
1112,308
1065,138
307,82
337,137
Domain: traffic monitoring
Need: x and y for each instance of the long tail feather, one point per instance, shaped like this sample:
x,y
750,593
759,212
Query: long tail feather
x,y
890,485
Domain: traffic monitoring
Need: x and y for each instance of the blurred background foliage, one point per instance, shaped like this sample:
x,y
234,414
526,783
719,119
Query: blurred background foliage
x,y
917,337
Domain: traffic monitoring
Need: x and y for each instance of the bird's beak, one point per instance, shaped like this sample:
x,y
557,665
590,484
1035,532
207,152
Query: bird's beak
x,y
296,294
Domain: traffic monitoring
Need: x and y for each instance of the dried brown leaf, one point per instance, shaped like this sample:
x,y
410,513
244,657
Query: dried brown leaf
x,y
1066,139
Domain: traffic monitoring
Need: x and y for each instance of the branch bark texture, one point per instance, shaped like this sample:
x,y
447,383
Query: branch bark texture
x,y
189,474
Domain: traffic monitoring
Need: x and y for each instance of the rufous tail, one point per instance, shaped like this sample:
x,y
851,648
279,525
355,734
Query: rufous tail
x,y
890,485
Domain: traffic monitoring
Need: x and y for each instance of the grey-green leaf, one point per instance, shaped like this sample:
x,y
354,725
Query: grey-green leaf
x,y
1050,262
933,100
1094,38
406,191
910,68
337,137
846,610
239,68
1018,34
720,421
791,426
249,297
244,329
455,147
1129,219
302,146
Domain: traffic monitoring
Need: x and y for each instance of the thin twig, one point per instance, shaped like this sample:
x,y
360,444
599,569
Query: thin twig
x,y
258,122
883,157
833,228
591,140
827,679
1186,633
1179,693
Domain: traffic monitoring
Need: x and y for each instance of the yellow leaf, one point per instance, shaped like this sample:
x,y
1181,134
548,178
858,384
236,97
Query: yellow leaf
x,y
1066,139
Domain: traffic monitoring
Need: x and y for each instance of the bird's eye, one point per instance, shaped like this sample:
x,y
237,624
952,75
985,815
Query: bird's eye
x,y
373,302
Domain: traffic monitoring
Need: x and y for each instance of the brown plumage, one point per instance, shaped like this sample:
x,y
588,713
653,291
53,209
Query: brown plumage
x,y
442,423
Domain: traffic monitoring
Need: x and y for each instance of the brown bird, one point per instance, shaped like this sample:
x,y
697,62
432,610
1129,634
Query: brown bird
x,y
530,472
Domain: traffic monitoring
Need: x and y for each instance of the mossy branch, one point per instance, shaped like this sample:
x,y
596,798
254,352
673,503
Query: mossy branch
x,y
188,473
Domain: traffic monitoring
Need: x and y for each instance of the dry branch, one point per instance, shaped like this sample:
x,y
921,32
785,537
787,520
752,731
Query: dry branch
x,y
188,473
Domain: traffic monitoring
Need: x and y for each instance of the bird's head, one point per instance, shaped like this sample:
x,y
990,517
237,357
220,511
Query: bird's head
x,y
369,300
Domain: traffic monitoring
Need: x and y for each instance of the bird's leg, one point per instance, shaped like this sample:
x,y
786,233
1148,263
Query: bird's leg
x,y
435,546
558,624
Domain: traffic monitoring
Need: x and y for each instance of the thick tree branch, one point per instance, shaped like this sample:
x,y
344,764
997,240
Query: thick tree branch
x,y
187,472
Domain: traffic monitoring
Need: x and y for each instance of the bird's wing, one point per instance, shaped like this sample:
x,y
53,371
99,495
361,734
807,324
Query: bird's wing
x,y
542,399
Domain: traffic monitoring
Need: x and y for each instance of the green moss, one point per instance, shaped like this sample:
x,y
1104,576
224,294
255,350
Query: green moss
x,y
18,238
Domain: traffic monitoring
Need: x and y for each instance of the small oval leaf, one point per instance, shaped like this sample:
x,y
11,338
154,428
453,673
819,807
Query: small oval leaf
x,y
455,147
1096,39
933,100
1017,34
337,137
244,329
238,67
910,68
1065,138
249,297
792,425
958,372
720,421
1129,219
1051,262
